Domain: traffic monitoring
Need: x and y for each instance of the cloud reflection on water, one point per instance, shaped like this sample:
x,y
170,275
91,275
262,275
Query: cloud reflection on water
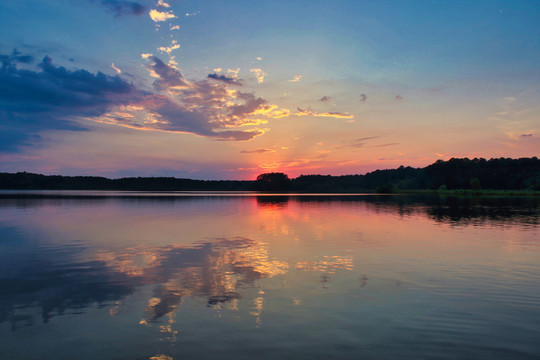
x,y
67,278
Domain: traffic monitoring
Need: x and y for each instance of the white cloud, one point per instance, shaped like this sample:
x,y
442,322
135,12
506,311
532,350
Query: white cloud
x,y
162,3
159,16
259,74
169,49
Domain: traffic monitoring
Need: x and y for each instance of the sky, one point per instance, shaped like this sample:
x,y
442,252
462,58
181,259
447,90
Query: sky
x,y
232,89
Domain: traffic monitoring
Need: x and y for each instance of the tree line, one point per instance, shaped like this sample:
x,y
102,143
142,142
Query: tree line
x,y
463,173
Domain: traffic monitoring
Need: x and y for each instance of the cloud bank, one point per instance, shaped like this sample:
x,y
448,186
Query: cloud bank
x,y
43,96
48,97
202,107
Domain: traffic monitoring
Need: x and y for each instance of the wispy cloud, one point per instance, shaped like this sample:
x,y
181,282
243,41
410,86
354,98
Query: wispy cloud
x,y
364,142
121,8
363,98
398,97
296,78
226,79
309,112
325,98
168,49
358,143
259,74
118,71
192,13
163,3
159,16
256,151
272,111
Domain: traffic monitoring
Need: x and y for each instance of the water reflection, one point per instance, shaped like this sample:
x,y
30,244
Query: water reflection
x,y
368,269
214,270
464,210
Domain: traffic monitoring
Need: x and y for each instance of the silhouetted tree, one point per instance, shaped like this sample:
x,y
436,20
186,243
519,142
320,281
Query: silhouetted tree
x,y
273,182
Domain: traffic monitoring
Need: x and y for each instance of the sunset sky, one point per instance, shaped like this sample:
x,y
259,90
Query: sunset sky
x,y
231,89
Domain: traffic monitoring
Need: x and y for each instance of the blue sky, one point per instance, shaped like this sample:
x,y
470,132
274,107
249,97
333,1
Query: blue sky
x,y
230,89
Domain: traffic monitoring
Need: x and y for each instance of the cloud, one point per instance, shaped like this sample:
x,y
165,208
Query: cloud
x,y
337,115
122,8
358,143
361,142
193,13
526,135
256,151
158,16
15,57
225,79
398,97
363,98
202,107
50,97
169,49
259,74
296,78
116,69
162,3
325,98
272,111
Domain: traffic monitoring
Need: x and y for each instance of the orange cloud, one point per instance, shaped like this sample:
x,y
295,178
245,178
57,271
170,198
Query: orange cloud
x,y
259,74
337,115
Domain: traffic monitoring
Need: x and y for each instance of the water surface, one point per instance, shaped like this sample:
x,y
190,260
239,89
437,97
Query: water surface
x,y
105,275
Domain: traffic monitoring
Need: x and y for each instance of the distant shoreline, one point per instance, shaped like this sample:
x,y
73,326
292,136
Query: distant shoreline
x,y
464,177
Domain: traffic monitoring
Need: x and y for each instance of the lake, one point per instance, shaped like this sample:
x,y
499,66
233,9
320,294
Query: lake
x,y
110,275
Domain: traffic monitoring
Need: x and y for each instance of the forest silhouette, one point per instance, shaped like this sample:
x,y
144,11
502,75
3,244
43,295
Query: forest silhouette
x,y
462,173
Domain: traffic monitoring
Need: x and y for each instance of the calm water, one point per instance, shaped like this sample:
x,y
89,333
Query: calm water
x,y
165,276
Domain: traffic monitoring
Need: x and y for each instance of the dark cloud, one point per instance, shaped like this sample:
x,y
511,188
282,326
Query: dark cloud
x,y
49,97
363,98
256,151
122,8
398,97
168,77
526,135
325,98
13,58
225,79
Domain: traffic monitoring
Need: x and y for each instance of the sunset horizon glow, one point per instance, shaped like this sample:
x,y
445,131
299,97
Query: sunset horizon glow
x,y
232,89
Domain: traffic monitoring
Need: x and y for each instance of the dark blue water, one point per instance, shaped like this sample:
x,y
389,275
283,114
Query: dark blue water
x,y
103,275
